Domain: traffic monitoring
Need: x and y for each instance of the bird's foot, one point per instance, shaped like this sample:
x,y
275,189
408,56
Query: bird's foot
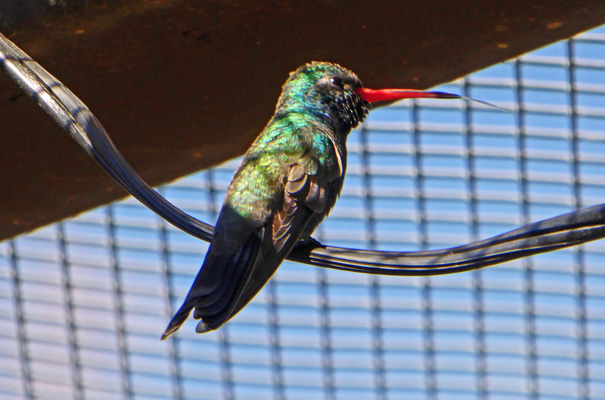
x,y
308,242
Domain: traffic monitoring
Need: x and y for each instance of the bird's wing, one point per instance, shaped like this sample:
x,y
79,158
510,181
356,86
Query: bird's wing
x,y
250,255
305,194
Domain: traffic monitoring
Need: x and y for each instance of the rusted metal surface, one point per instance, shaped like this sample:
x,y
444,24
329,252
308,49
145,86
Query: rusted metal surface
x,y
182,85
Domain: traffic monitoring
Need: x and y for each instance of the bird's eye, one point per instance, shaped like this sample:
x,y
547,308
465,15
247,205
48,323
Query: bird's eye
x,y
336,81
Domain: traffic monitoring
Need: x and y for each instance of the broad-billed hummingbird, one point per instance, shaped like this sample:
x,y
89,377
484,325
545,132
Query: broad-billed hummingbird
x,y
286,184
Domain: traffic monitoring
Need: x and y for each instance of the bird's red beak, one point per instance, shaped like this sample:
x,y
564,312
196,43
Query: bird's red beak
x,y
384,97
391,95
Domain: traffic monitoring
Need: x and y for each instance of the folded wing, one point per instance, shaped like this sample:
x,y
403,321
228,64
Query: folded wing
x,y
242,257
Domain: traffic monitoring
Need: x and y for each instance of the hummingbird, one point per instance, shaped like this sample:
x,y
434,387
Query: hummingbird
x,y
287,183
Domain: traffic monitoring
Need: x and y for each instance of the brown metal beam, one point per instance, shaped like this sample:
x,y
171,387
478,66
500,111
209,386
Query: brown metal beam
x,y
184,84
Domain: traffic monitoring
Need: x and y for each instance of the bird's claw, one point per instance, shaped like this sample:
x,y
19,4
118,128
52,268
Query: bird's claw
x,y
308,241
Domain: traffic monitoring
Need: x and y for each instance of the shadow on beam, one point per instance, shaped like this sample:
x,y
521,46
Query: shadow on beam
x,y
183,85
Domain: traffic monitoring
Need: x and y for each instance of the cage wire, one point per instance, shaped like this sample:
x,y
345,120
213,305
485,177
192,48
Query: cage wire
x,y
83,302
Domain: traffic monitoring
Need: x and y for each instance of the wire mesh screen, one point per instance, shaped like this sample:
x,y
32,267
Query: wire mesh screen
x,y
83,302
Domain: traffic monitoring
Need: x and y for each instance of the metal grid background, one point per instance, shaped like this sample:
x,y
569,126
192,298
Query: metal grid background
x,y
83,302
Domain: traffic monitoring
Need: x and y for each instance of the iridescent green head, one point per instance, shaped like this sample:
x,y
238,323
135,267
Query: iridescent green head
x,y
327,91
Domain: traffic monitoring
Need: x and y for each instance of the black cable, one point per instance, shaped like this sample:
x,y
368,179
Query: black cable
x,y
75,118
